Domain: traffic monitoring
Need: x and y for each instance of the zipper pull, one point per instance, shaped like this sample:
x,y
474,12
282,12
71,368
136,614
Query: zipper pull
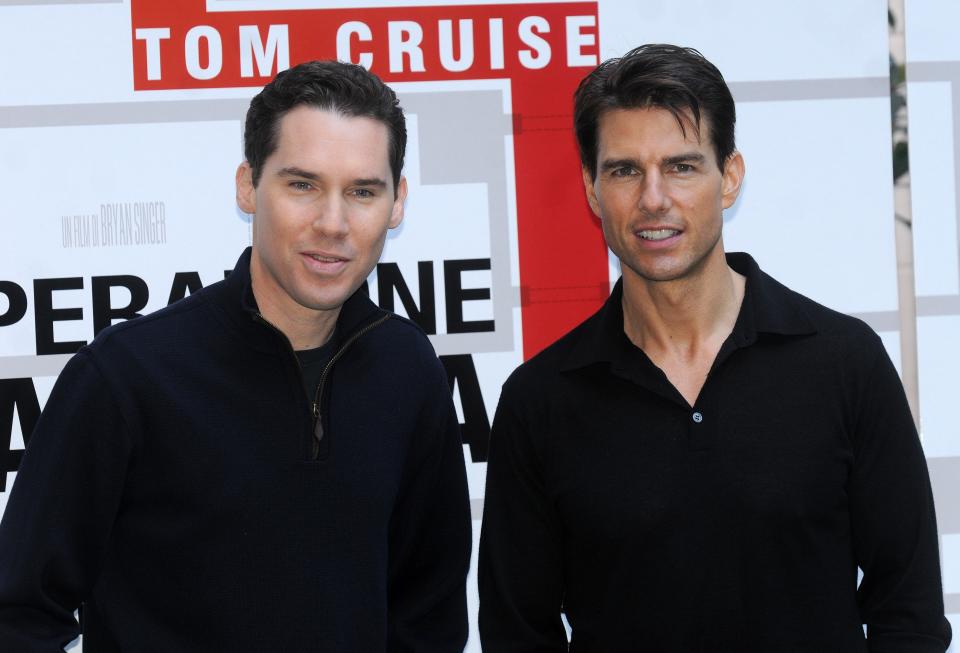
x,y
317,432
317,424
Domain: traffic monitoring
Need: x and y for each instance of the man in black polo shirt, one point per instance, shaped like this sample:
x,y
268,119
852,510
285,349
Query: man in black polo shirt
x,y
704,464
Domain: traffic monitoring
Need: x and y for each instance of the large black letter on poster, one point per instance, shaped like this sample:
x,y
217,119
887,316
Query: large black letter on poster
x,y
104,313
19,394
16,303
184,283
389,279
475,429
44,315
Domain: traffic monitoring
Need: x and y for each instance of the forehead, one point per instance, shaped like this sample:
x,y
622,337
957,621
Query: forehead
x,y
651,129
323,137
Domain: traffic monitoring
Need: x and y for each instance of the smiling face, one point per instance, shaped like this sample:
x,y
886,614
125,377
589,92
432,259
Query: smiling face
x,y
322,208
660,194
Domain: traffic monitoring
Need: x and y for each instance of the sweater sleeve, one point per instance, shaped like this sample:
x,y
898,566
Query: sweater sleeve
x,y
893,522
430,534
520,568
60,511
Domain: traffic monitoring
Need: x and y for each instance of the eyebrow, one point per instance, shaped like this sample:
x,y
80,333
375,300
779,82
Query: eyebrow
x,y
371,181
294,171
689,157
611,164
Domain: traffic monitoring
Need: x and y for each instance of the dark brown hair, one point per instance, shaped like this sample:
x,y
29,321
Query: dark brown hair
x,y
344,88
669,77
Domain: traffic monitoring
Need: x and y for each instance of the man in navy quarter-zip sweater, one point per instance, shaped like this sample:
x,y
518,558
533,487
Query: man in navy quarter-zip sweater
x,y
273,463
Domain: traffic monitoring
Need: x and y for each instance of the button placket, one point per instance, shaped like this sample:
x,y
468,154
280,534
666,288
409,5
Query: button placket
x,y
700,432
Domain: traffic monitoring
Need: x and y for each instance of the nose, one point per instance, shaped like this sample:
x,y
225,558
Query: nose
x,y
330,217
654,198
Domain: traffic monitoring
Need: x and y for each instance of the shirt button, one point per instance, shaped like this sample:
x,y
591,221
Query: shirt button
x,y
697,417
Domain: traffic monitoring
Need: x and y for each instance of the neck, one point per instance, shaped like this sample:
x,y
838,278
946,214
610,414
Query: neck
x,y
304,327
684,316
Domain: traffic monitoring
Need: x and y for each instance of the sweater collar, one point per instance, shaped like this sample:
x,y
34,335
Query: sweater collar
x,y
239,302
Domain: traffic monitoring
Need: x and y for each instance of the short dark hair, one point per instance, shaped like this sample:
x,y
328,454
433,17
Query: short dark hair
x,y
656,75
344,88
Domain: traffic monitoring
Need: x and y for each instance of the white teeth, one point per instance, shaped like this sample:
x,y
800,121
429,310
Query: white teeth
x,y
658,234
324,259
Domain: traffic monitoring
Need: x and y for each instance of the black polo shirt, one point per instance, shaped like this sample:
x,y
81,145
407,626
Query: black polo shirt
x,y
735,524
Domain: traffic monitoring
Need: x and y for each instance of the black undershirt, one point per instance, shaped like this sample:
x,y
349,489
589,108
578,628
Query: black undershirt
x,y
312,362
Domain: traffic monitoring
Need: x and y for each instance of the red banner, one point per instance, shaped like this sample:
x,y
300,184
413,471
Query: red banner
x,y
543,49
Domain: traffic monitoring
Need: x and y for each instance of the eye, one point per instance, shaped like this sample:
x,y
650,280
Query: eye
x,y
362,193
683,168
623,171
300,185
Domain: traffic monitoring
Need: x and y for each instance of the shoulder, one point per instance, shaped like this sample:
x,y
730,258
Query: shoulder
x,y
402,351
779,310
543,373
847,334
844,348
403,339
403,331
161,332
830,322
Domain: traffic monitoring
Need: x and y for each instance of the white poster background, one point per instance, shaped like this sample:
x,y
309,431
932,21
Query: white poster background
x,y
816,211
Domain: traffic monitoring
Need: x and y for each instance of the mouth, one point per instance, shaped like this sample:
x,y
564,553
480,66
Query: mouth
x,y
326,258
322,262
657,235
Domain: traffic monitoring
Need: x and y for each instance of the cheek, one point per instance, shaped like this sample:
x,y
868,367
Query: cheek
x,y
617,206
277,235
369,233
697,201
603,202
610,232
266,231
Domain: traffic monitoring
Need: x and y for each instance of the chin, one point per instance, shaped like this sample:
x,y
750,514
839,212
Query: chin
x,y
324,300
660,274
326,303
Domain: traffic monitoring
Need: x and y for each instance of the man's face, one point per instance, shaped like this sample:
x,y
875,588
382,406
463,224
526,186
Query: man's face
x,y
659,194
322,208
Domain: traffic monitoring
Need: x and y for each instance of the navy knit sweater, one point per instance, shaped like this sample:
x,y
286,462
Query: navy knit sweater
x,y
171,489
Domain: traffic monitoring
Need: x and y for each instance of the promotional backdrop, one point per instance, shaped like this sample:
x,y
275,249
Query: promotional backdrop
x,y
121,129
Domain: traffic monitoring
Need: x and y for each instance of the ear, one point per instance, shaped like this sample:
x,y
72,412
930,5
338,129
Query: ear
x,y
591,191
246,193
396,214
733,172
